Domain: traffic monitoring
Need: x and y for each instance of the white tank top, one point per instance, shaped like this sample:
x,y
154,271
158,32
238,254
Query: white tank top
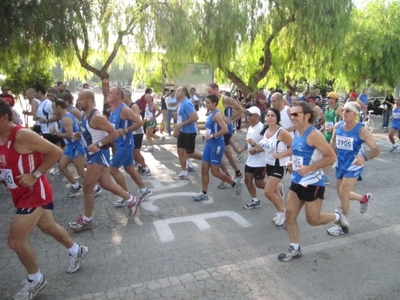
x,y
271,146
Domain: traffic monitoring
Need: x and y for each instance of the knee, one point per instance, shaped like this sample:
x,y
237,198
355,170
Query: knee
x,y
312,221
290,215
15,243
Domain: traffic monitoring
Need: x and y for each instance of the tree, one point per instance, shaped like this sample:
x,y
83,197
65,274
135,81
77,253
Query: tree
x,y
244,38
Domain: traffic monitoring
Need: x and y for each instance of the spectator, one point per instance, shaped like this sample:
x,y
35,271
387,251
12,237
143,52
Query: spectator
x,y
5,95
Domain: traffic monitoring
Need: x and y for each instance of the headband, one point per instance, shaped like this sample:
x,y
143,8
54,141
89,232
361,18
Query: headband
x,y
352,108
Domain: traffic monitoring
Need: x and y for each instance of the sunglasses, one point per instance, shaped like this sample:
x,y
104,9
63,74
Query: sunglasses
x,y
347,111
250,115
296,114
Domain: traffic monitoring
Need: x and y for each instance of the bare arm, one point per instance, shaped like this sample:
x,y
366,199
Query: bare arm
x,y
68,124
369,139
129,114
220,121
98,121
285,137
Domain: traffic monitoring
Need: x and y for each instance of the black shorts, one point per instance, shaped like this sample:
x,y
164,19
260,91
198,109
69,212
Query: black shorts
x,y
258,172
51,138
137,139
187,141
275,171
37,129
227,138
27,211
61,142
309,193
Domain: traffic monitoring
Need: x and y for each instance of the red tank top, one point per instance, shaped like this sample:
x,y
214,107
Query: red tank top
x,y
13,164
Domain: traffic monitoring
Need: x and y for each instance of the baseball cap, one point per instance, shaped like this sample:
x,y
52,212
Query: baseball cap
x,y
310,98
354,95
254,110
332,95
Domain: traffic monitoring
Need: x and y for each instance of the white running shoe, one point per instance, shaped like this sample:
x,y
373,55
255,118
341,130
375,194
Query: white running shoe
x,y
75,262
364,206
335,230
280,218
30,289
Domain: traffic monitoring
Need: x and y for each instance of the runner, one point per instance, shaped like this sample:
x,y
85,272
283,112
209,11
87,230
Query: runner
x,y
24,159
395,124
348,137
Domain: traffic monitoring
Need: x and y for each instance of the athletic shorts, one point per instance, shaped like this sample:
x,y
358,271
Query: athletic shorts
x,y
275,171
37,129
396,125
151,124
187,141
101,158
227,138
51,138
73,150
27,211
61,142
137,140
349,174
122,157
258,172
213,152
309,193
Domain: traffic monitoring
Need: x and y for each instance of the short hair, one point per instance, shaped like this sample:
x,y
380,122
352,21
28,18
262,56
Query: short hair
x,y
61,103
276,112
306,108
213,98
66,97
166,90
53,91
59,83
277,94
148,91
40,88
214,85
5,109
193,89
85,84
120,91
172,91
127,93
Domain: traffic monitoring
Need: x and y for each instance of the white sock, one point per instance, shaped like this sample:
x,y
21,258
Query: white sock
x,y
184,173
35,277
189,163
295,246
86,219
73,251
76,185
255,199
130,199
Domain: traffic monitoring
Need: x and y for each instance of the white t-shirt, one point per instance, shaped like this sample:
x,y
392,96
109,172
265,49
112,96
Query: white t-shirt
x,y
257,160
171,100
286,122
45,111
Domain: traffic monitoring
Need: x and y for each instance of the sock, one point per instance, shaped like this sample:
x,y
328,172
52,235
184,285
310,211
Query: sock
x,y
35,277
295,246
364,199
205,192
73,251
86,219
143,190
76,186
189,163
130,199
337,217
184,173
255,200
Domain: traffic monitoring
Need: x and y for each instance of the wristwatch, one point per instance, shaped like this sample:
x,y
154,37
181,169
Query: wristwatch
x,y
212,136
126,130
37,174
100,144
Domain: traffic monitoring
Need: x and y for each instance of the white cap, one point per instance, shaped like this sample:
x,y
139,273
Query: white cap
x,y
254,110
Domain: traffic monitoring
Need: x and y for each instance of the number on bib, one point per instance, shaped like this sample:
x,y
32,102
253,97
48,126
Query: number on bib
x,y
344,143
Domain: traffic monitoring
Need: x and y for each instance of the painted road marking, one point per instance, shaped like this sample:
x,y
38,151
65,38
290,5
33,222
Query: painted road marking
x,y
166,235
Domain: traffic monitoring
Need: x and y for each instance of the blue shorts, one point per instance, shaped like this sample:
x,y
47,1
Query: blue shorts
x,y
122,157
395,125
213,152
349,174
73,150
101,158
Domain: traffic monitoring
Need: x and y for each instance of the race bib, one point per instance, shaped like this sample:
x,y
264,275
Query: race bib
x,y
9,178
265,145
344,143
179,119
297,162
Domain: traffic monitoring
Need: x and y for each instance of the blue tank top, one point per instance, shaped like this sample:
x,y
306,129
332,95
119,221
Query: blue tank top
x,y
75,128
348,144
396,117
305,155
125,141
212,127
227,112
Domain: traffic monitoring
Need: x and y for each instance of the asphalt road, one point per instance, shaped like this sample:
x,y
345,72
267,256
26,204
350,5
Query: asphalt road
x,y
176,248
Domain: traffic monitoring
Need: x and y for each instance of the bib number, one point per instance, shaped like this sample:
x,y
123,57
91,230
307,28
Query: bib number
x,y
297,162
9,178
344,143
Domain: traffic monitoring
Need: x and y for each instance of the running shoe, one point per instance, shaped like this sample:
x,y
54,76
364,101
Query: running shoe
x,y
289,254
343,222
280,218
252,205
149,149
121,202
56,171
75,261
222,185
97,190
133,206
80,225
393,148
181,176
191,170
238,185
30,289
72,191
144,195
364,205
335,230
200,197
239,158
145,172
